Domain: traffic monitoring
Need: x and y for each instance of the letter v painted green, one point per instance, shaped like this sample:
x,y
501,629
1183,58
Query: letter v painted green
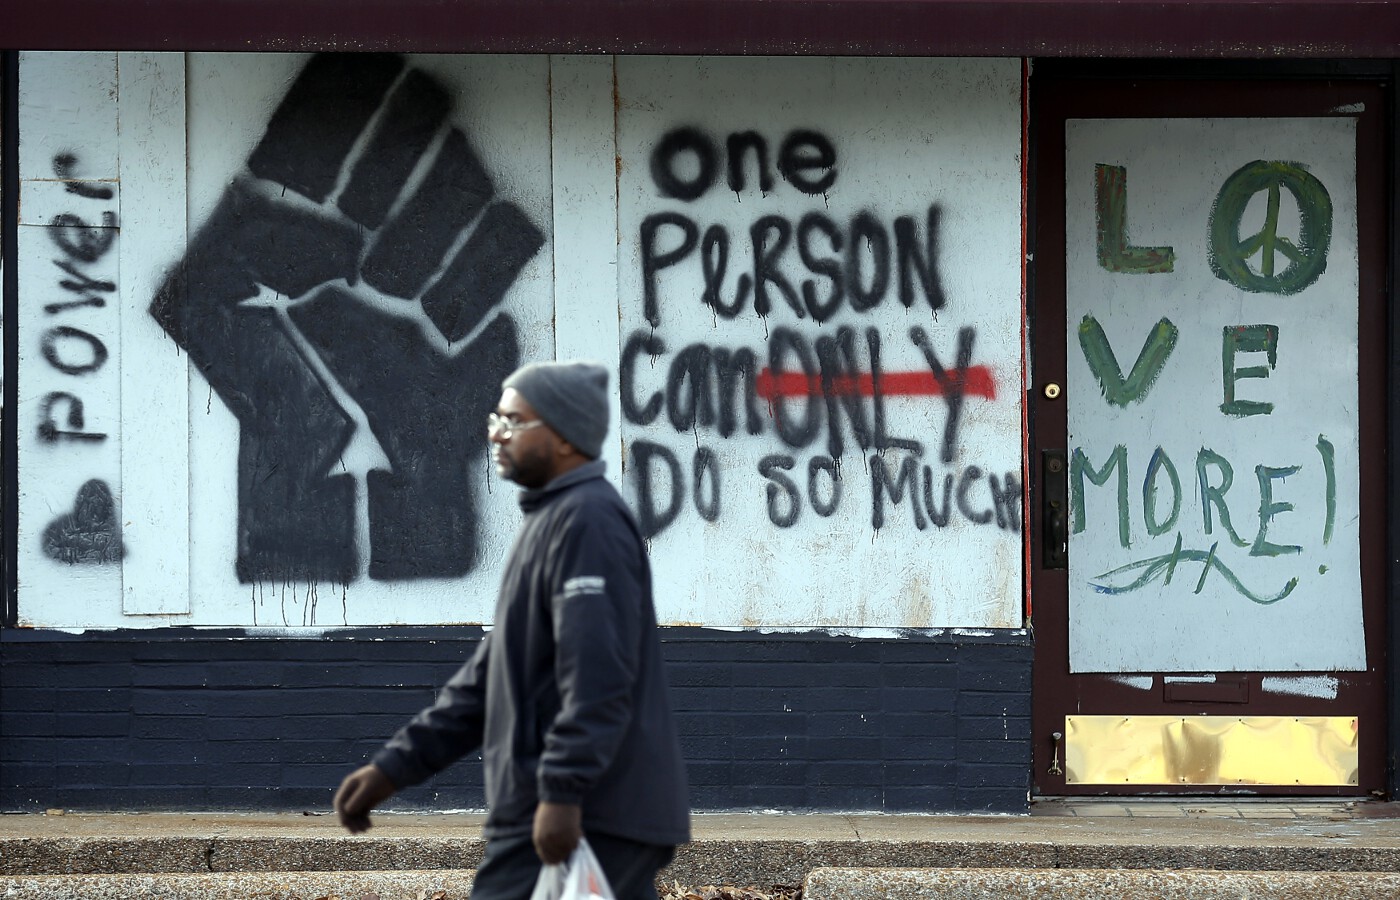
x,y
1118,390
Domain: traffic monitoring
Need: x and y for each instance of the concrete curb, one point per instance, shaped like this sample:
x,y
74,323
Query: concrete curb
x,y
117,856
740,862
789,862
742,849
1019,884
406,885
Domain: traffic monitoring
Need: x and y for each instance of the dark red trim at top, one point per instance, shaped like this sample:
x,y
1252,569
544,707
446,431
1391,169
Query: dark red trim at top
x,y
1262,29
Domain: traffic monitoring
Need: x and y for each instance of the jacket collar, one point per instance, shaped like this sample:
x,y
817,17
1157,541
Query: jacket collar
x,y
534,498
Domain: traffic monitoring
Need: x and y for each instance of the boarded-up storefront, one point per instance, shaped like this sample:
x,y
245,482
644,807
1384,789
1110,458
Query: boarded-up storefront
x,y
998,427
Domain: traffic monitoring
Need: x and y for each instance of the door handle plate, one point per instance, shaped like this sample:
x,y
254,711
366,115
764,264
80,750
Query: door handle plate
x,y
1054,509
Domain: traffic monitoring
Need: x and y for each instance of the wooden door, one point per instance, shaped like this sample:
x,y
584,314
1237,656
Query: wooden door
x,y
1208,404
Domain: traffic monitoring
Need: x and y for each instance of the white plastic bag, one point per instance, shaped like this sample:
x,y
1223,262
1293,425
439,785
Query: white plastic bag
x,y
580,878
550,884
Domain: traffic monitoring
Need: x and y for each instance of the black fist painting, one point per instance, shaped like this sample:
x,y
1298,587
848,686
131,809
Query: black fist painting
x,y
362,258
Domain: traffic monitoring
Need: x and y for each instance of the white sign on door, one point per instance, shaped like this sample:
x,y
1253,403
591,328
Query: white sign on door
x,y
1212,286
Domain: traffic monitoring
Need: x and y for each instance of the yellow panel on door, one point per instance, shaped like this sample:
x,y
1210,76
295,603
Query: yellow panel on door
x,y
1212,750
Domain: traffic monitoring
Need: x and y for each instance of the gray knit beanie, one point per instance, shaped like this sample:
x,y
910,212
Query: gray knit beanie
x,y
571,397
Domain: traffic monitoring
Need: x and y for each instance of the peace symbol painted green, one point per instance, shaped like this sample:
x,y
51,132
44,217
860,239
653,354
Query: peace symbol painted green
x,y
1304,256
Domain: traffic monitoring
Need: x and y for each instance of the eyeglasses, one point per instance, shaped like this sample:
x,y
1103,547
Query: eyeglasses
x,y
498,426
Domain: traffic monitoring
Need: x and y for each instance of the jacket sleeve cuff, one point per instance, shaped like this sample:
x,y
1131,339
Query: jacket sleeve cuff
x,y
395,768
556,794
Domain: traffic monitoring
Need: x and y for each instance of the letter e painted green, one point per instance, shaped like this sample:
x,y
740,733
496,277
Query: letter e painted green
x,y
1268,508
1246,339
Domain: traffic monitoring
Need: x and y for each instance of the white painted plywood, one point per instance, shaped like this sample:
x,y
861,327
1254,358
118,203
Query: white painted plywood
x,y
155,393
501,106
585,223
910,138
775,527
1176,589
69,392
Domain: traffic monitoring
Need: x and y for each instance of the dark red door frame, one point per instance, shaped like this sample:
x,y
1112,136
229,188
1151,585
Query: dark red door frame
x,y
1063,92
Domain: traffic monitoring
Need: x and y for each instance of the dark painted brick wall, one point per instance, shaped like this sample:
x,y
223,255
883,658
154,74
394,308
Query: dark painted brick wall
x,y
194,720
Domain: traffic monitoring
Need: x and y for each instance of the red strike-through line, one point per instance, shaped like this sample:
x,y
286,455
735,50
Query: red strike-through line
x,y
976,382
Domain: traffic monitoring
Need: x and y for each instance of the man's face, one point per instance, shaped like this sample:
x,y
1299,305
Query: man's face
x,y
526,452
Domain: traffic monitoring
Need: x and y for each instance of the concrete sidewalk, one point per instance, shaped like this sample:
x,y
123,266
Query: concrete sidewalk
x,y
743,849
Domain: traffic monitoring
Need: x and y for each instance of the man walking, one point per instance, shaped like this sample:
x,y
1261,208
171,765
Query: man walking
x,y
566,695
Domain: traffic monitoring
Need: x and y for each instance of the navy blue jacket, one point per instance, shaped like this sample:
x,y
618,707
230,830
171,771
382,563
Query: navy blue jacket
x,y
566,695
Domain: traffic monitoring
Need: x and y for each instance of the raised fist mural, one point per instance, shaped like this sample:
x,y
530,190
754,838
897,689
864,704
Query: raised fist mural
x,y
344,300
